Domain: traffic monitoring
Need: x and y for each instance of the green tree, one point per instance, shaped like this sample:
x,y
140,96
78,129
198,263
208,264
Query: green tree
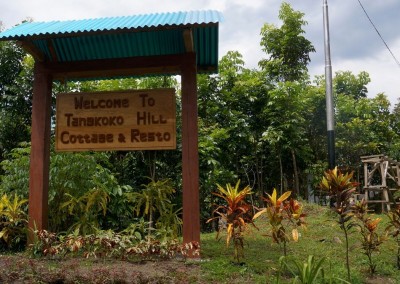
x,y
288,50
289,54
231,124
363,127
394,150
15,96
286,132
346,83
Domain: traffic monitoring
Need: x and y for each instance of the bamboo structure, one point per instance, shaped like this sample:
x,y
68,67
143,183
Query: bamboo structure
x,y
381,177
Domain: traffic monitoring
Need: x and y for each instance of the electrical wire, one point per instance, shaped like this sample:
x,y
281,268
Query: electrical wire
x,y
394,57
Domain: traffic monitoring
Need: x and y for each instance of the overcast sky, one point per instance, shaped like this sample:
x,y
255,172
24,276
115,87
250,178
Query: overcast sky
x,y
355,45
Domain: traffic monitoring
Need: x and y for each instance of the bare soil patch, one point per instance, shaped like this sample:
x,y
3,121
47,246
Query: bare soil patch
x,y
21,269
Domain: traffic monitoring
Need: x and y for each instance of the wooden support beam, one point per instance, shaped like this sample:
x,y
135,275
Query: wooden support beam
x,y
29,47
188,40
103,68
40,149
366,181
190,156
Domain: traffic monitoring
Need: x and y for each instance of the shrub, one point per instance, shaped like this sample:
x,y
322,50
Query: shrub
x,y
236,213
278,211
340,188
108,244
394,229
371,240
13,222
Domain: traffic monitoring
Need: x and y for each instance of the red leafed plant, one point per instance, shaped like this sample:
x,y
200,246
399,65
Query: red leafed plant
x,y
340,188
237,213
279,210
371,240
394,229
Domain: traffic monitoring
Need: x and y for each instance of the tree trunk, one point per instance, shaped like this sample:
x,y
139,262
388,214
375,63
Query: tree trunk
x,y
296,174
152,164
150,224
281,173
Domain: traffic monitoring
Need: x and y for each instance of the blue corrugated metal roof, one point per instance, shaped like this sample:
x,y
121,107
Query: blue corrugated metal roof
x,y
120,37
30,29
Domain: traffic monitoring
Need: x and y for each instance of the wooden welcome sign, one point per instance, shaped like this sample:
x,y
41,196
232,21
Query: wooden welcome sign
x,y
125,120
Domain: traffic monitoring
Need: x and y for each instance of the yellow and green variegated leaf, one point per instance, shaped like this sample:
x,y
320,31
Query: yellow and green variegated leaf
x,y
242,221
295,235
4,235
259,213
229,234
284,196
273,197
222,190
334,171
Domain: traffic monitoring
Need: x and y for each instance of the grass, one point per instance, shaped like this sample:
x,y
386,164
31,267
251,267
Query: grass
x,y
323,238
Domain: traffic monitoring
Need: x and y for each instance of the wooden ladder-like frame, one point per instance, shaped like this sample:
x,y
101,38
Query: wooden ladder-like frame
x,y
380,168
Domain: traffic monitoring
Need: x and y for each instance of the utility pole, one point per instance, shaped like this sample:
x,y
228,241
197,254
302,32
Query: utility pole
x,y
330,121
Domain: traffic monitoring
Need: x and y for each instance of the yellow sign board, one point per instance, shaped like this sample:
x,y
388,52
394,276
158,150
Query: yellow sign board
x,y
124,120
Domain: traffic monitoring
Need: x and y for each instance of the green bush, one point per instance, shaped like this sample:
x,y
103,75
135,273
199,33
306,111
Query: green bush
x,y
13,221
72,176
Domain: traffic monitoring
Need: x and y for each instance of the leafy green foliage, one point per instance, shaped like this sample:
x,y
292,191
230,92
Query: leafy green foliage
x,y
286,133
15,96
305,273
13,222
108,244
16,171
154,201
73,176
346,83
288,49
363,128
86,209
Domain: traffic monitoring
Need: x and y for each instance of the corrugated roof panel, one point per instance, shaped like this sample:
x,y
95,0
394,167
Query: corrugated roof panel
x,y
122,37
112,23
116,45
206,42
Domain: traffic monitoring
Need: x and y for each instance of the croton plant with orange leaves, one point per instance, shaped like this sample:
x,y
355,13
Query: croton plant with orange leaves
x,y
237,213
282,213
371,239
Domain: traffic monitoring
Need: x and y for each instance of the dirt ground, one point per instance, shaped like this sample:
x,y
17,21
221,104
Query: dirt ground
x,y
21,269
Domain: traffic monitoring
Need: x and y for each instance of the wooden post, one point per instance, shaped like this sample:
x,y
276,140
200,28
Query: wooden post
x,y
384,170
366,182
40,149
190,156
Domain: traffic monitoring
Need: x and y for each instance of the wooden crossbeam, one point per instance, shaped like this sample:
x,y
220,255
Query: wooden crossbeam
x,y
29,47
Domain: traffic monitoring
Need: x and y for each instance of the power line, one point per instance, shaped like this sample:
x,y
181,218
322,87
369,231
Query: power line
x,y
394,57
